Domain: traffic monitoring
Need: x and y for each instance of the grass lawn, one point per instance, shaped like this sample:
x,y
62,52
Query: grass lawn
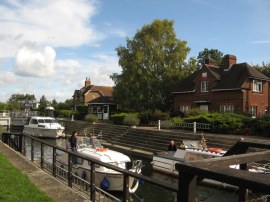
x,y
15,186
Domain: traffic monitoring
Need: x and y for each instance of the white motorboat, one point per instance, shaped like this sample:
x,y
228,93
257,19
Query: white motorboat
x,y
44,127
105,178
190,150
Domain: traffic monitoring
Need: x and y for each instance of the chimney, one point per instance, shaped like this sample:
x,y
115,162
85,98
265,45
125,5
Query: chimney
x,y
228,61
210,61
87,82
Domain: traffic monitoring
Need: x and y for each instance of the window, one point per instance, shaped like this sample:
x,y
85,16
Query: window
x,y
257,86
204,86
253,111
204,74
183,109
227,108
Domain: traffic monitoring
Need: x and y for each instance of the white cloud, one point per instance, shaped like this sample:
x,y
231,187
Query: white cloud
x,y
53,23
33,63
7,78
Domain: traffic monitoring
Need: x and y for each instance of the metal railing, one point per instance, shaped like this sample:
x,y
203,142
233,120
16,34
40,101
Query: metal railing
x,y
94,192
183,125
18,114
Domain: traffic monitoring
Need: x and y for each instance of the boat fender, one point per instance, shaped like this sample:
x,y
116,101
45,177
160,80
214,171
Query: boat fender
x,y
132,190
140,181
84,175
105,184
215,149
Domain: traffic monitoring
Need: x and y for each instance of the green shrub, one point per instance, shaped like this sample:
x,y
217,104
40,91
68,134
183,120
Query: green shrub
x,y
145,117
82,108
159,115
118,118
221,122
131,120
196,111
91,118
65,113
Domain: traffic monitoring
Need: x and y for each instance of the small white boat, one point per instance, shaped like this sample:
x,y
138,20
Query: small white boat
x,y
105,178
191,150
44,127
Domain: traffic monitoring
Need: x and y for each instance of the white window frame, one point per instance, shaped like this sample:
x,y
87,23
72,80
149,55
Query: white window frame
x,y
183,109
253,111
204,86
227,108
204,74
257,86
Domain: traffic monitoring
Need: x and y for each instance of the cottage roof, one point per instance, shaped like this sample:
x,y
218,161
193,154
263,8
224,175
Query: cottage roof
x,y
232,78
102,100
104,90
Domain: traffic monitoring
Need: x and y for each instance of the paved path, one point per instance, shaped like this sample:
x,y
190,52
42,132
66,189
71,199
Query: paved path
x,y
47,183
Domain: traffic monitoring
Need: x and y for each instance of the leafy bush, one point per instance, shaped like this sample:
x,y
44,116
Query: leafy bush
x,y
118,118
145,117
82,108
221,122
159,115
65,113
196,111
91,118
131,120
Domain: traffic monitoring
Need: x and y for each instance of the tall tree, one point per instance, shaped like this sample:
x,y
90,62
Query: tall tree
x,y
212,53
152,63
43,103
264,68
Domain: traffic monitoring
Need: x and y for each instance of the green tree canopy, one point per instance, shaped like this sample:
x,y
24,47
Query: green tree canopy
x,y
19,97
43,103
212,53
152,63
264,68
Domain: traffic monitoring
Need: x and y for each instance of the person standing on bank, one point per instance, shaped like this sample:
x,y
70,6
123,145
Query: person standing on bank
x,y
172,146
73,144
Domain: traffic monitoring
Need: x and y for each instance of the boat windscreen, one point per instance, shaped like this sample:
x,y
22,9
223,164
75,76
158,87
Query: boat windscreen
x,y
48,120
41,121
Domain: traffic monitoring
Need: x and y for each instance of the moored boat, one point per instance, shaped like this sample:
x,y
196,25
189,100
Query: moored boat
x,y
105,178
44,127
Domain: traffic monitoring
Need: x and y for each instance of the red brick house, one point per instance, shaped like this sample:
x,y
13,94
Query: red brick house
x,y
98,99
232,87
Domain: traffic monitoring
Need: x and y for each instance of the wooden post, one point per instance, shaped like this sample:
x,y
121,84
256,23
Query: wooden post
x,y
69,170
92,182
242,193
32,150
194,127
187,187
54,162
158,124
126,197
41,156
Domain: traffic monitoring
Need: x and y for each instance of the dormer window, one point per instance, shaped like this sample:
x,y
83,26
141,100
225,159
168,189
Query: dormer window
x,y
257,86
204,86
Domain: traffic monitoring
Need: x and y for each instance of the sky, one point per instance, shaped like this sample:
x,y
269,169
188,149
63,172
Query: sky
x,y
49,47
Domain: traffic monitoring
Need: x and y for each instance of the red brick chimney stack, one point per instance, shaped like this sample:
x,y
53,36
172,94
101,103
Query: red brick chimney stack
x,y
228,61
87,82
